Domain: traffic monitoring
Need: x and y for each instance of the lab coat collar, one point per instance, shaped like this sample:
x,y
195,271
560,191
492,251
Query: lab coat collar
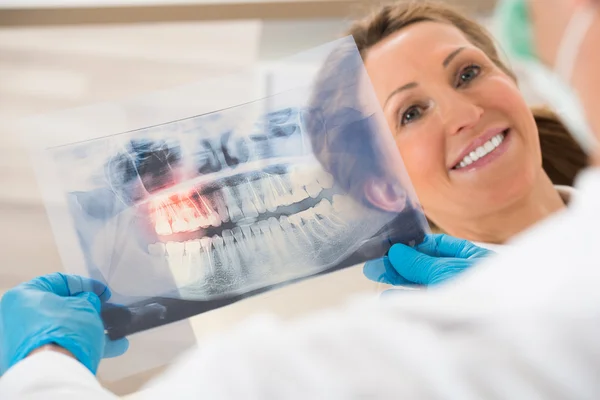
x,y
588,184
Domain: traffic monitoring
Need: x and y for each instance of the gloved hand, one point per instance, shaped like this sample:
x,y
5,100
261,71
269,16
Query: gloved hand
x,y
59,309
437,259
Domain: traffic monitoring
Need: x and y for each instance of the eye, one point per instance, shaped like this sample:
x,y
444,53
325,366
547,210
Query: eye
x,y
468,74
411,114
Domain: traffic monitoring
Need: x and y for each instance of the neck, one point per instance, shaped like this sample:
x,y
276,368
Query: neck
x,y
498,227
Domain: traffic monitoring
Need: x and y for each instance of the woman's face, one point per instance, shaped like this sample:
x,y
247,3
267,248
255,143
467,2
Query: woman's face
x,y
465,133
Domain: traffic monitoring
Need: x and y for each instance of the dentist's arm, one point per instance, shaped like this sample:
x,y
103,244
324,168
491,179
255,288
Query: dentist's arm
x,y
52,339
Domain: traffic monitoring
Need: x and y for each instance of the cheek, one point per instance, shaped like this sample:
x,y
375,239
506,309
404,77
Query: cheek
x,y
423,153
501,94
502,97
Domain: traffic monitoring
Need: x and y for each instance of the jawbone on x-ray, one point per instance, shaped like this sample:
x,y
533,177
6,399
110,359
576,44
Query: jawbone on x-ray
x,y
221,211
194,214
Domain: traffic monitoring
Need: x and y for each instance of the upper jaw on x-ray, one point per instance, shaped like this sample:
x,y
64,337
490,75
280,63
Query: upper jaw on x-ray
x,y
214,205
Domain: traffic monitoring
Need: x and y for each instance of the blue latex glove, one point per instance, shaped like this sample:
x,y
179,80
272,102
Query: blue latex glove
x,y
437,259
59,309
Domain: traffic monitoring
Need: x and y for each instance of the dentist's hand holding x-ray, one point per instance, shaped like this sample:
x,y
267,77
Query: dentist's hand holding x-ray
x,y
523,324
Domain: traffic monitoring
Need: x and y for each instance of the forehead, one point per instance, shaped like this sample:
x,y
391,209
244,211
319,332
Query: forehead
x,y
412,52
422,40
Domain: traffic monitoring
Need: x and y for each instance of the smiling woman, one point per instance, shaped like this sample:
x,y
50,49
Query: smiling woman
x,y
483,164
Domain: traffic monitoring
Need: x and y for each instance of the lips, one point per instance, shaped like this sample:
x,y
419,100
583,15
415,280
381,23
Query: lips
x,y
479,142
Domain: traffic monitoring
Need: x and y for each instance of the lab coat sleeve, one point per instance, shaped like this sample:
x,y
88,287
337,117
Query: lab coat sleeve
x,y
382,353
526,325
49,375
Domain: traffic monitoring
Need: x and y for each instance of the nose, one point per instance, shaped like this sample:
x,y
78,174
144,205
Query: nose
x,y
459,113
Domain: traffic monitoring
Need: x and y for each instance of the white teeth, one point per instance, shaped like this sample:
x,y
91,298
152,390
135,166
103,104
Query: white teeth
x,y
218,204
282,190
324,207
258,248
273,249
285,223
162,226
207,258
175,259
295,219
307,215
255,187
192,246
275,227
269,195
307,179
248,209
174,249
212,218
234,260
217,242
313,189
179,225
235,213
482,151
191,267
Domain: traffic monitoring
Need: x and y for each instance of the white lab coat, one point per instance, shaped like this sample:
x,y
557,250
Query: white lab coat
x,y
523,325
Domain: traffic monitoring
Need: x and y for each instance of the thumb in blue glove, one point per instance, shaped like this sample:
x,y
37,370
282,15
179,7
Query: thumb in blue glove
x,y
435,260
56,309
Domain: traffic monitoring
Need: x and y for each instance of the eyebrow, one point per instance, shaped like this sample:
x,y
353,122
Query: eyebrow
x,y
398,90
412,85
451,56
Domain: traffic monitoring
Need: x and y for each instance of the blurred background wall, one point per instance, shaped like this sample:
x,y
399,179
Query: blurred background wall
x,y
62,54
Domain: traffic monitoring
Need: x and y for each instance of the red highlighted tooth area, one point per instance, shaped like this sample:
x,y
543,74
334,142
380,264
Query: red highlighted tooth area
x,y
178,213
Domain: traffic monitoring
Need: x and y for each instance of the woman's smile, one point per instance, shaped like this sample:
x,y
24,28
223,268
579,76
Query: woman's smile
x,y
483,151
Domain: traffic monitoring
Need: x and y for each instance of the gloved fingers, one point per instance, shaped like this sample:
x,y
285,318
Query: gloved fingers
x,y
443,271
91,299
414,265
441,245
381,270
66,285
115,348
78,284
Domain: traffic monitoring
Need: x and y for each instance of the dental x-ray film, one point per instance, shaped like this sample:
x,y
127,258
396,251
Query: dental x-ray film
x,y
182,208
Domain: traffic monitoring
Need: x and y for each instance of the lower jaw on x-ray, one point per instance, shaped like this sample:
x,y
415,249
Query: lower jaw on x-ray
x,y
195,214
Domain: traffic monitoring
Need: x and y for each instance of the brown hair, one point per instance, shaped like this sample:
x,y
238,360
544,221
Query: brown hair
x,y
335,99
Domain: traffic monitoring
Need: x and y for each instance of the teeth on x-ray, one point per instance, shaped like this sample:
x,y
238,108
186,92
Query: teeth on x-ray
x,y
253,249
247,200
228,209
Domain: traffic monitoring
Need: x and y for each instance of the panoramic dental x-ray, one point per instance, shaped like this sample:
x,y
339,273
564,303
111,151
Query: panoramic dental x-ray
x,y
192,214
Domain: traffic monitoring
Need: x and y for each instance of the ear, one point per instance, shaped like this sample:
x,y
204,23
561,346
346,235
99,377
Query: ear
x,y
385,195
